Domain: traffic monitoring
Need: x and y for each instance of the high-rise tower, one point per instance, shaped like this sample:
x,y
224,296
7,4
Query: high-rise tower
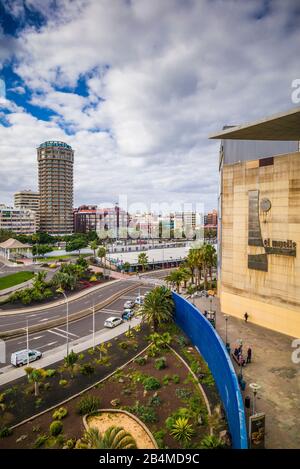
x,y
55,167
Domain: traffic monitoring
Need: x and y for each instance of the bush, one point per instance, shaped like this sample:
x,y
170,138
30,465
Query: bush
x,y
140,361
166,379
69,444
183,393
146,413
151,383
159,437
123,345
63,382
160,363
182,430
41,439
50,373
60,413
4,432
87,369
176,379
2,397
88,404
154,401
56,428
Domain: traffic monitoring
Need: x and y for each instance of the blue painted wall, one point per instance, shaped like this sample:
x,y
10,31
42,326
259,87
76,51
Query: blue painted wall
x,y
211,347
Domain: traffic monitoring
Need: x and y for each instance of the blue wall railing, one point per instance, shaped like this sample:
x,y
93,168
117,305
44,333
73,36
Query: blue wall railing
x,y
210,345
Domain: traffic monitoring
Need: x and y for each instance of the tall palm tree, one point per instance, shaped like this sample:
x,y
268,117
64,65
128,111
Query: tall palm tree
x,y
191,263
93,246
143,260
113,438
101,253
158,307
175,278
209,261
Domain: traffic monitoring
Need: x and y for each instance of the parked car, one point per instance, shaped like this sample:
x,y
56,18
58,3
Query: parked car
x,y
23,356
127,314
139,300
113,321
129,304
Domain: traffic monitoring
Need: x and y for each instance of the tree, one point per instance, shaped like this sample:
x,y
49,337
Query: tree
x,y
93,246
209,261
101,253
41,249
35,375
65,281
175,278
76,244
39,280
113,438
82,262
70,360
126,266
158,307
143,260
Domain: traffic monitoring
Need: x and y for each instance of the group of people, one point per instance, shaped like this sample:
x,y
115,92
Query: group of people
x,y
238,353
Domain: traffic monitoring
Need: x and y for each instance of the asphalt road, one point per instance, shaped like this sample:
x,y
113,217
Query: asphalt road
x,y
51,338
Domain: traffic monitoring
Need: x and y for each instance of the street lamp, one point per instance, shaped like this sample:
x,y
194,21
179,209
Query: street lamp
x,y
93,311
27,341
255,387
226,317
60,290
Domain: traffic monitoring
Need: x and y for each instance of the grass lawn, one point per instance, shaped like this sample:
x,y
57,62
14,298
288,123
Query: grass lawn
x,y
64,256
15,279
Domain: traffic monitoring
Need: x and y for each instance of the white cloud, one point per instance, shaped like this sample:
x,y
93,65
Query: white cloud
x,y
160,76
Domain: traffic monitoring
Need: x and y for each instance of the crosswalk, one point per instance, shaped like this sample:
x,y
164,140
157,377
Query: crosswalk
x,y
62,333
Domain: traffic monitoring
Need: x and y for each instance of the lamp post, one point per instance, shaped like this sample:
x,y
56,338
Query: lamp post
x,y
255,387
226,317
27,341
60,290
93,312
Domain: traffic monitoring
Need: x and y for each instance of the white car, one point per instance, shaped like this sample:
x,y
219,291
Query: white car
x,y
113,321
139,300
129,304
23,356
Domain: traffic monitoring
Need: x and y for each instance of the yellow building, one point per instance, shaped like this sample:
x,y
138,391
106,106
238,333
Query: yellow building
x,y
259,222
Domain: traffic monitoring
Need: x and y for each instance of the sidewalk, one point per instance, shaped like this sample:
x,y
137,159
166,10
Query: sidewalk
x,y
11,373
272,368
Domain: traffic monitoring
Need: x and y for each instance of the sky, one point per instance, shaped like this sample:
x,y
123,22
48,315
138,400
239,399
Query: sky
x,y
136,87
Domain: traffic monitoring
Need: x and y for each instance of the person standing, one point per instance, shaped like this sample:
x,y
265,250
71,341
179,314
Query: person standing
x,y
246,316
249,355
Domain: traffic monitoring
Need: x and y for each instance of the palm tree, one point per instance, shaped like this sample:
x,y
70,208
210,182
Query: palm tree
x,y
191,263
70,361
93,246
209,261
143,260
35,375
113,438
175,278
158,307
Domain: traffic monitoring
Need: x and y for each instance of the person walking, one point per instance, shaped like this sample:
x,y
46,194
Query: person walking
x,y
249,355
246,316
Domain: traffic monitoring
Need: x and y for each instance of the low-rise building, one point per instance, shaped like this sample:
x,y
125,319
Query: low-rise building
x,y
17,220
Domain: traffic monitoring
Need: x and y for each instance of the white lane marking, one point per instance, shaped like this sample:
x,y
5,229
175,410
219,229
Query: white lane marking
x,y
65,332
110,311
33,315
56,333
117,313
48,345
38,337
47,319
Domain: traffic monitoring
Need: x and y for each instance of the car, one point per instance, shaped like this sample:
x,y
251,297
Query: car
x,y
127,314
139,300
113,321
22,357
129,304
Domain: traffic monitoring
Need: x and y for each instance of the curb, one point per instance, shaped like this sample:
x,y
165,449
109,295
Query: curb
x,y
72,317
120,411
80,392
53,304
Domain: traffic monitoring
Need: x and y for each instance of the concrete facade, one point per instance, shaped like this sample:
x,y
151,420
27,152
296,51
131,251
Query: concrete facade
x,y
260,258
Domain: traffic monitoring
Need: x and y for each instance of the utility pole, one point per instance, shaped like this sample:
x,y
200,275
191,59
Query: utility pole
x,y
27,341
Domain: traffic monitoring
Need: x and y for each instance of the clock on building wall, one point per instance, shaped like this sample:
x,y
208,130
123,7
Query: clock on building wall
x,y
265,205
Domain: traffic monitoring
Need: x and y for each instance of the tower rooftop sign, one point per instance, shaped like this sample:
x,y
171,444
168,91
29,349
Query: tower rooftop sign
x,y
55,143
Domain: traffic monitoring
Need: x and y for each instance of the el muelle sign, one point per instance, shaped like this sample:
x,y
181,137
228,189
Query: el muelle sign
x,y
286,248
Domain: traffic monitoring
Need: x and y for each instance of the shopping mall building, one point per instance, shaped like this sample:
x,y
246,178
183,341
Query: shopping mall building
x,y
259,222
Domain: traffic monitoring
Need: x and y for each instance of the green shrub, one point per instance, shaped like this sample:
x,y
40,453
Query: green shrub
x,y
140,361
40,441
2,397
87,369
69,444
63,382
211,442
183,393
160,363
5,431
176,379
88,404
60,413
123,345
166,379
56,428
182,430
146,413
81,356
159,437
154,401
50,373
150,383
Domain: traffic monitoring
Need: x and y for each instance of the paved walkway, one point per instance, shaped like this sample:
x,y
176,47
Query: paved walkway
x,y
273,369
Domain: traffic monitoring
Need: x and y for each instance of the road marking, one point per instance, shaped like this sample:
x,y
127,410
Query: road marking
x,y
36,338
48,345
56,333
110,311
65,332
47,319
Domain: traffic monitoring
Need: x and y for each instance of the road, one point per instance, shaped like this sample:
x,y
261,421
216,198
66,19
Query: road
x,y
50,338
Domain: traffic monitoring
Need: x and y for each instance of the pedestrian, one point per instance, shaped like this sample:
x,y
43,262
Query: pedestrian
x,y
249,355
205,313
246,315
